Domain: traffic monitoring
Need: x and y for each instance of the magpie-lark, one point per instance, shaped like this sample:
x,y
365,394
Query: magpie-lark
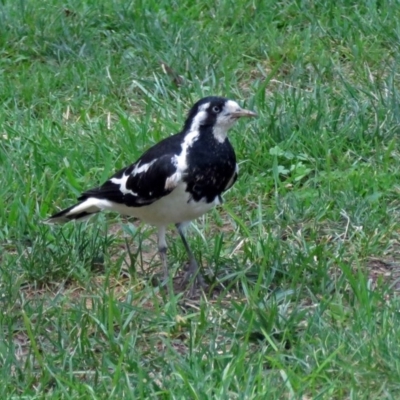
x,y
175,181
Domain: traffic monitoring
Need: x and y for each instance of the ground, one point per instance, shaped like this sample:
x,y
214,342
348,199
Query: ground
x,y
302,259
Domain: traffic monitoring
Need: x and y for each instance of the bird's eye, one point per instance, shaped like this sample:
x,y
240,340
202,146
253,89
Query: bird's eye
x,y
216,109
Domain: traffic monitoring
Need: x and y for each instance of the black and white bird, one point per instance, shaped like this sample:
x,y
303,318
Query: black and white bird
x,y
175,181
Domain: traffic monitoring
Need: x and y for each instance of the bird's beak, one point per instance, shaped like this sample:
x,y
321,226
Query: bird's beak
x,y
243,113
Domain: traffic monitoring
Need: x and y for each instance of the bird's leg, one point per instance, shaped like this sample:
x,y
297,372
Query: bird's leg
x,y
162,250
193,269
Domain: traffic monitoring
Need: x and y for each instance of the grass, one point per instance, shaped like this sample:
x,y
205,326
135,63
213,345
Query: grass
x,y
305,249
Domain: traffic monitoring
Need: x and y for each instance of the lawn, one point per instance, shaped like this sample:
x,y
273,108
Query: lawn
x,y
303,258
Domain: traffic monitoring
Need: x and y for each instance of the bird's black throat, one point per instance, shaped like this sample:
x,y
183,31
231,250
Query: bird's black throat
x,y
211,166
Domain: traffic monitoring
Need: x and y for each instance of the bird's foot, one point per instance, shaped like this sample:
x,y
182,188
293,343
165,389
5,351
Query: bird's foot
x,y
193,278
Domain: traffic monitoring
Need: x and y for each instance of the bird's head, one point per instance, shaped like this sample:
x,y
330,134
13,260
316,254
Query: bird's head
x,y
216,112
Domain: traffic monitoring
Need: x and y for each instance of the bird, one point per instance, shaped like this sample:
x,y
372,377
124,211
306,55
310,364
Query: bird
x,y
175,181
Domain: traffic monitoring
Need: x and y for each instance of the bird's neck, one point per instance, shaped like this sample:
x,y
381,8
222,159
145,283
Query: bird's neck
x,y
219,134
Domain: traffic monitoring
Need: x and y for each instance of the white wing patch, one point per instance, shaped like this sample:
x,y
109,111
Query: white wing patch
x,y
142,168
139,169
122,184
173,180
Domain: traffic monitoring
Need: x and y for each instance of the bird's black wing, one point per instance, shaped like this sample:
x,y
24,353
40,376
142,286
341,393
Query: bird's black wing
x,y
136,189
151,177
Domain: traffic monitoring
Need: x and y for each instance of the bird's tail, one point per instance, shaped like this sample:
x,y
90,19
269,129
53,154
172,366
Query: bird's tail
x,y
78,212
